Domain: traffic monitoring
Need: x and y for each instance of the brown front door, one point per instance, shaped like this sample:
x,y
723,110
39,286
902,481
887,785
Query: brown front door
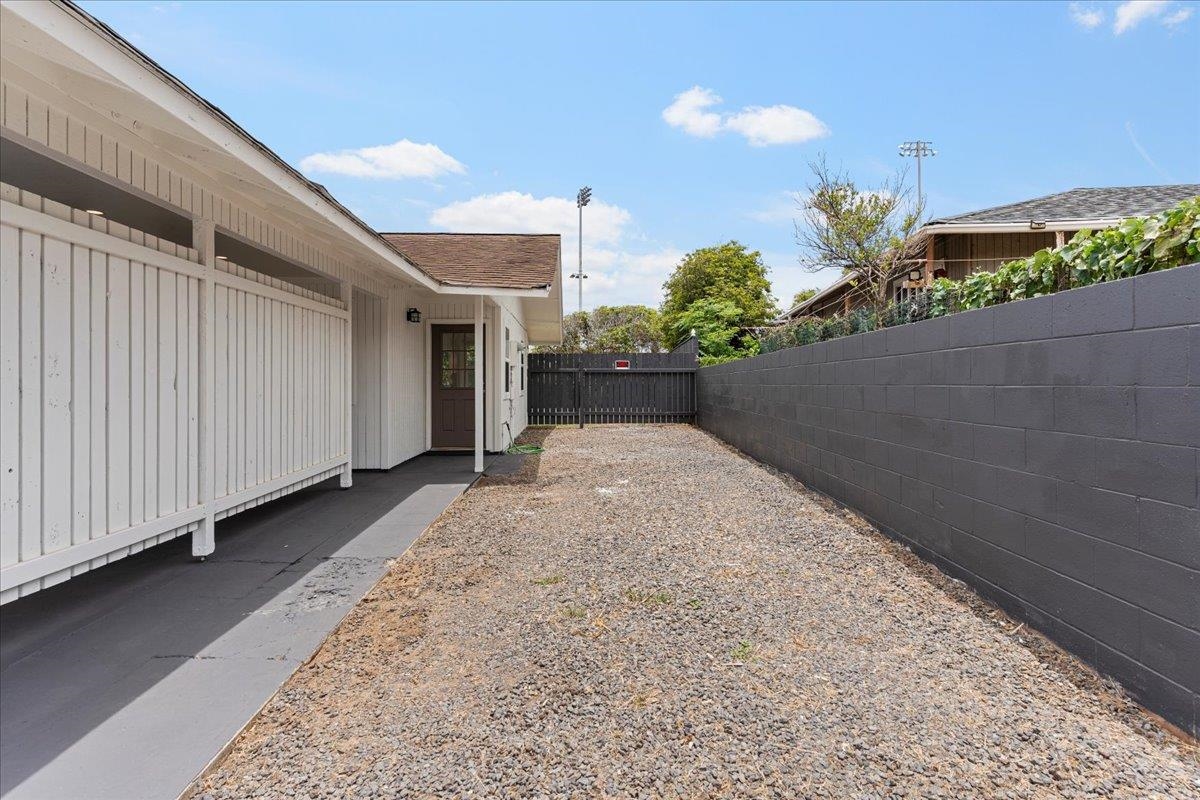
x,y
453,382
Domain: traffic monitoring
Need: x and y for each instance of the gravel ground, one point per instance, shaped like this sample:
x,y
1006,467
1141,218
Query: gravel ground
x,y
644,613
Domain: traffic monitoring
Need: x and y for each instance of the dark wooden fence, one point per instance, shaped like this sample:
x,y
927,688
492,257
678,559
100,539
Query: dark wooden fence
x,y
577,388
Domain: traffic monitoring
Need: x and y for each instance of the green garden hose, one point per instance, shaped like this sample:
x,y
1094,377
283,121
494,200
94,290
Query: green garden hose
x,y
525,449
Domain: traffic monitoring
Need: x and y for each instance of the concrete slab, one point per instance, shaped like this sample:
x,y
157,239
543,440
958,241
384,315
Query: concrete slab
x,y
125,682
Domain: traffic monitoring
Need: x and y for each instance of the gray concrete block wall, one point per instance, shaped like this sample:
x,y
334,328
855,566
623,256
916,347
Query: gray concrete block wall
x,y
1046,451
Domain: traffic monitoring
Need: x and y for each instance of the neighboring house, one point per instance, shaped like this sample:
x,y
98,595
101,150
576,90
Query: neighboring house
x,y
189,327
979,241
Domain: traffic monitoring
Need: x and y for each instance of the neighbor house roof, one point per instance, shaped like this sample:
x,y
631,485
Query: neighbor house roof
x,y
1105,203
501,260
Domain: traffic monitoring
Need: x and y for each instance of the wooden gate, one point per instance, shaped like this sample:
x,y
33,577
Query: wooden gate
x,y
577,388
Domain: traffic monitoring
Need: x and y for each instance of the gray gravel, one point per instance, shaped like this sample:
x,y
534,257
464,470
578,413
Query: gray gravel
x,y
654,615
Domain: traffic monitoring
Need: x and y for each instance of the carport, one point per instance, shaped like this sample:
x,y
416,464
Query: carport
x,y
128,681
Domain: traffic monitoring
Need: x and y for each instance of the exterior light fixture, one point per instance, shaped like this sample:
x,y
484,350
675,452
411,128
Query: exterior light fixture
x,y
222,258
95,212
1037,225
914,275
413,315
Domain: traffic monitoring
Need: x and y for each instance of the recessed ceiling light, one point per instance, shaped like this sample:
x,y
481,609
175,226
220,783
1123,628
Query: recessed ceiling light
x,y
222,258
95,213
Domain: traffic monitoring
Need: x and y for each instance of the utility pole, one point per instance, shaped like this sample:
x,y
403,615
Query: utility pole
x,y
582,199
918,150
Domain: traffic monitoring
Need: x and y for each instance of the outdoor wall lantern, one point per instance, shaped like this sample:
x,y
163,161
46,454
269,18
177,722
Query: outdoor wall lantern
x,y
914,275
414,315
1037,225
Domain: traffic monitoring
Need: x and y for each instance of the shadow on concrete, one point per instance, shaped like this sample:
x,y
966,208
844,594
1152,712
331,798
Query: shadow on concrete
x,y
126,681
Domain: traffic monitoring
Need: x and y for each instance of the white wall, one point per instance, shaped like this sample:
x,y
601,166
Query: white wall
x,y
102,401
368,323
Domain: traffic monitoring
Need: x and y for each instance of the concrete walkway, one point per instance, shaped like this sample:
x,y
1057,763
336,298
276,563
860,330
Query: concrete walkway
x,y
126,682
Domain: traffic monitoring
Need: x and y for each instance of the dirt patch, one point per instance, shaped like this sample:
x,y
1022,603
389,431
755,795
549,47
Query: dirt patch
x,y
653,616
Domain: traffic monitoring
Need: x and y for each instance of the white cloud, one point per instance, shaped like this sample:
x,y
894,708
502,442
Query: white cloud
x,y
402,159
620,268
1132,13
1086,16
1180,16
760,125
776,125
780,210
688,112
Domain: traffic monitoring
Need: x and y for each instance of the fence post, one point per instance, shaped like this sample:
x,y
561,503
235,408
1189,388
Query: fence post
x,y
204,538
579,395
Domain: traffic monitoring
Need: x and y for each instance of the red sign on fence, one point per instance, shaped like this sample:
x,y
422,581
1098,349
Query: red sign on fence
x,y
621,363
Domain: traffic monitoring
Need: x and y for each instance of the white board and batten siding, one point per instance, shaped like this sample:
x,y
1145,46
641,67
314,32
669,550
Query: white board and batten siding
x,y
101,397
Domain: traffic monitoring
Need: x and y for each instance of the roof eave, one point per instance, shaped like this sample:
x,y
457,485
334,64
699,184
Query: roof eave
x,y
1020,227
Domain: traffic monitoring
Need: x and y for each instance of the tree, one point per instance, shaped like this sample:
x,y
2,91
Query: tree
x,y
802,295
867,231
611,329
724,272
719,332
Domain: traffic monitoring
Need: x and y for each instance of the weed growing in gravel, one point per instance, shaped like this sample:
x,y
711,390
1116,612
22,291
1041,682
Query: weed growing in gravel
x,y
694,603
549,580
744,651
574,612
647,598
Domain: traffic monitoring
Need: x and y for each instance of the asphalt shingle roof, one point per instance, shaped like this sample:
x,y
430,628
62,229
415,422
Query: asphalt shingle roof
x,y
501,260
1113,202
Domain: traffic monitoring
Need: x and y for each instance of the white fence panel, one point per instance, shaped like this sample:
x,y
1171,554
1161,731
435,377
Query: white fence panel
x,y
100,396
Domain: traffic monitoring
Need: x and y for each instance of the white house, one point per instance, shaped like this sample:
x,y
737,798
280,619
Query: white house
x,y
190,328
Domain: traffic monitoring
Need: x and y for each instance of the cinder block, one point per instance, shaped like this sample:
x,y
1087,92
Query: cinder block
x,y
1169,415
1111,516
953,508
999,526
931,533
1034,495
1095,410
915,368
1156,357
1158,471
1169,532
936,468
1025,407
973,403
916,495
976,480
874,344
1171,650
950,367
1167,589
852,347
1093,309
1107,618
972,328
1068,456
1170,297
1023,320
900,340
902,459
1001,446
901,400
932,401
889,484
931,334
987,365
1061,549
950,437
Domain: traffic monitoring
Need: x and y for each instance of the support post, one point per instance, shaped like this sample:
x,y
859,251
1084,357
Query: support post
x,y
346,479
204,538
1060,238
480,347
929,260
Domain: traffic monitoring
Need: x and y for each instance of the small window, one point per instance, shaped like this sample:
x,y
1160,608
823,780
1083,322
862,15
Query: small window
x,y
507,365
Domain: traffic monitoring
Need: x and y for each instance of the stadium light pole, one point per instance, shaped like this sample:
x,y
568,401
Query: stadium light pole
x,y
918,150
582,199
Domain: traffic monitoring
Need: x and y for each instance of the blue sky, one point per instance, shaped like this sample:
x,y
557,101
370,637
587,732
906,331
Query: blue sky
x,y
694,124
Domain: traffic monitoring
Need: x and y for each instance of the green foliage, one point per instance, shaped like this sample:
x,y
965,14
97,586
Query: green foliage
x,y
612,329
719,330
1136,246
802,295
723,273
